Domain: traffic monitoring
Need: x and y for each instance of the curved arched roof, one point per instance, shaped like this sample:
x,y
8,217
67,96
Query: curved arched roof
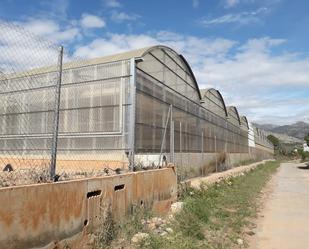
x,y
137,53
233,113
140,53
210,94
244,121
165,55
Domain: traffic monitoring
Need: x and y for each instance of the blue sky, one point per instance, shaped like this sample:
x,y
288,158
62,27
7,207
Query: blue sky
x,y
254,51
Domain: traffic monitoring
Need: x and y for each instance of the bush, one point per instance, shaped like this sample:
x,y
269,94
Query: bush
x,y
304,155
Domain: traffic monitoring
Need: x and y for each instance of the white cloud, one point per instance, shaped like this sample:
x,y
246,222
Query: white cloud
x,y
21,50
248,75
51,30
254,65
195,3
55,8
254,76
112,3
231,3
195,48
261,44
240,18
92,21
114,43
123,17
41,27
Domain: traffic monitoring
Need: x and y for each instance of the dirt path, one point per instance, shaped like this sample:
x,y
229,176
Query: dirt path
x,y
284,220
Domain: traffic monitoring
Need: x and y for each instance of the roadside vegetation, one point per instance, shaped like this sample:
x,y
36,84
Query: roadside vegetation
x,y
289,151
217,216
304,155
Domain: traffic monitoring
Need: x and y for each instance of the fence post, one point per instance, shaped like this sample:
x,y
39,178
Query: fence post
x,y
202,153
172,152
216,154
164,134
132,114
180,151
56,116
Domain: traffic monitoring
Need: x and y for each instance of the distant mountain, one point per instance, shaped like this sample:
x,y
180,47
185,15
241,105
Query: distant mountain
x,y
285,138
265,127
297,130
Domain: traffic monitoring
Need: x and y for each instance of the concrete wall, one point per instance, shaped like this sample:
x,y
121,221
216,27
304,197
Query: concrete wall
x,y
37,216
196,164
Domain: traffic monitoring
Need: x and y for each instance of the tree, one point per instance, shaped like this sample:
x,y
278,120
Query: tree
x,y
274,140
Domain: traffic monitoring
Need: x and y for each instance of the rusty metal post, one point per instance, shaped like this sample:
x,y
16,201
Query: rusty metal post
x,y
56,116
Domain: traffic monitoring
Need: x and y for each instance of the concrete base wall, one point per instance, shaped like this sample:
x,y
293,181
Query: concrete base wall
x,y
198,164
38,216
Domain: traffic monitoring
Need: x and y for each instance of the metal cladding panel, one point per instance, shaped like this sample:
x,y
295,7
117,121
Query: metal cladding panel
x,y
94,102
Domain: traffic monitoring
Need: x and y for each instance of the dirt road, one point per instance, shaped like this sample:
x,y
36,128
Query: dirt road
x,y
284,220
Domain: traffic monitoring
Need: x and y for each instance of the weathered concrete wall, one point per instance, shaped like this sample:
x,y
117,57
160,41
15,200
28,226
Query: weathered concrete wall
x,y
34,216
200,164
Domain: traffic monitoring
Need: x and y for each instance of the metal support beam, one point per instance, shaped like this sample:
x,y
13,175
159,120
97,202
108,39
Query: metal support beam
x,y
132,114
164,134
172,140
216,154
56,117
202,148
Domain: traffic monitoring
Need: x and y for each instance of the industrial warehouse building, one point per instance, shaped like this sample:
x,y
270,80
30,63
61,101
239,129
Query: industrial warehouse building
x,y
138,108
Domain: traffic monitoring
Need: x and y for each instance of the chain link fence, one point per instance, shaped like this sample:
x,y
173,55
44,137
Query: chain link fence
x,y
95,109
61,117
27,105
64,118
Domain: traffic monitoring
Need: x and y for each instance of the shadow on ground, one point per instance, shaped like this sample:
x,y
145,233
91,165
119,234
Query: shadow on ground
x,y
304,167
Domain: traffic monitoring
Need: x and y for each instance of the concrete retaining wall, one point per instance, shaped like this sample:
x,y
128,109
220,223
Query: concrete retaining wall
x,y
37,216
199,164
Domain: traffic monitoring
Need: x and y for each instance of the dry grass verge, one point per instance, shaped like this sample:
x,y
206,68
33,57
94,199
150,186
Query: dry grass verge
x,y
215,216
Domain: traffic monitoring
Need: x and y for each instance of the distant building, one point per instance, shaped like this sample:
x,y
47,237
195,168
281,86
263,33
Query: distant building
x,y
306,147
251,135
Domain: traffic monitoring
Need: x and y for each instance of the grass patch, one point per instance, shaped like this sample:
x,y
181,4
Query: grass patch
x,y
115,234
216,217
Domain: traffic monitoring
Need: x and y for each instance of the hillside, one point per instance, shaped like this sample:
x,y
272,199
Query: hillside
x,y
287,133
298,130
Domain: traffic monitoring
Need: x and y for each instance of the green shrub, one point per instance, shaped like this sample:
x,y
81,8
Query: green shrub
x,y
304,156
